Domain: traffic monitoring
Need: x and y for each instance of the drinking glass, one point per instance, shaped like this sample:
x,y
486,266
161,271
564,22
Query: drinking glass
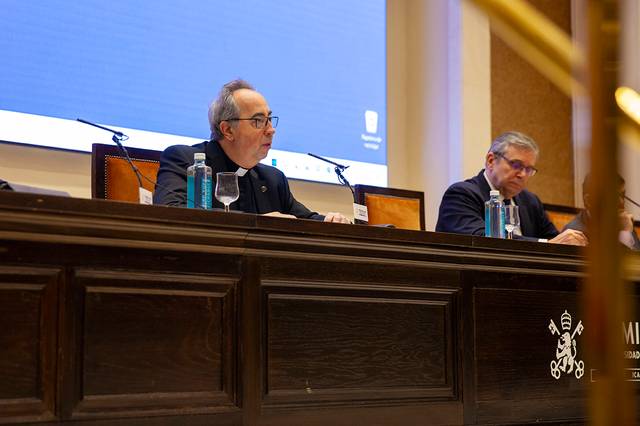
x,y
511,219
227,190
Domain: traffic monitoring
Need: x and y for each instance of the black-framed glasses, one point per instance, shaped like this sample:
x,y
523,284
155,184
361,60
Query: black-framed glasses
x,y
518,165
259,122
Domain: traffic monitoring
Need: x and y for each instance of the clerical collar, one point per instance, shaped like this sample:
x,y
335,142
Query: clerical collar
x,y
231,165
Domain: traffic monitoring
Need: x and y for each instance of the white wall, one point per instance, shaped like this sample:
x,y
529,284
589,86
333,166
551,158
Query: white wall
x,y
438,110
629,152
446,113
47,168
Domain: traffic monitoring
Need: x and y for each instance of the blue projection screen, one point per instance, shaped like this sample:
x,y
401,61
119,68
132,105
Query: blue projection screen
x,y
151,69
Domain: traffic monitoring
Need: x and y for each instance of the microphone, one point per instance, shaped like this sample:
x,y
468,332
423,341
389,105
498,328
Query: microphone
x,y
118,138
339,168
4,186
359,211
120,135
631,201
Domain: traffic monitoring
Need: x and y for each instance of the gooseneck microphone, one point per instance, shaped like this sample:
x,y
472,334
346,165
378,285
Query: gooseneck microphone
x,y
339,168
118,138
631,201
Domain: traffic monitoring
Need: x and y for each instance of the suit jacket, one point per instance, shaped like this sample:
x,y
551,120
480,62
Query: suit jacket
x,y
263,189
579,223
462,210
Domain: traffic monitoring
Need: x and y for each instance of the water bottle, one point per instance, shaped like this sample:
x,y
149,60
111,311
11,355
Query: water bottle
x,y
199,183
494,216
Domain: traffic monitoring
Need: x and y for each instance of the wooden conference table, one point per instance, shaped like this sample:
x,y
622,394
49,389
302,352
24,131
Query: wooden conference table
x,y
114,313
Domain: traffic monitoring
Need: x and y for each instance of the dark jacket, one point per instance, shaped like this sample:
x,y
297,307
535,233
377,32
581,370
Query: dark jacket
x,y
580,223
263,189
462,210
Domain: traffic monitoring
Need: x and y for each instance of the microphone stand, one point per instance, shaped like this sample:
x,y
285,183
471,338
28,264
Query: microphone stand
x,y
118,138
338,169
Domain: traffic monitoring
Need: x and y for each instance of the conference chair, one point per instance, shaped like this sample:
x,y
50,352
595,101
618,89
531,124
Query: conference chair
x,y
560,215
112,177
399,207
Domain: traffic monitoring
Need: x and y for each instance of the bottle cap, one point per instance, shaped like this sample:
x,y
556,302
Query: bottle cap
x,y
199,156
494,193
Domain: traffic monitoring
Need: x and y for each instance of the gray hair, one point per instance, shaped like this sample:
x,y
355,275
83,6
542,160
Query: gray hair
x,y
517,139
225,107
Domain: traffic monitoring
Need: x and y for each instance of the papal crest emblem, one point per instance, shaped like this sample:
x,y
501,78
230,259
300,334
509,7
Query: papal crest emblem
x,y
566,352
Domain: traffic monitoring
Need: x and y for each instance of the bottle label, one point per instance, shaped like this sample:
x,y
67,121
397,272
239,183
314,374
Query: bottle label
x,y
190,191
206,192
487,220
199,183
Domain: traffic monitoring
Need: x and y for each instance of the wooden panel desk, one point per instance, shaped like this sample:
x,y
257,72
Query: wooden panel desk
x,y
141,315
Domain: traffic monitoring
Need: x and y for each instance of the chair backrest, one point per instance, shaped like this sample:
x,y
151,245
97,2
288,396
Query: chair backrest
x,y
400,207
112,177
560,215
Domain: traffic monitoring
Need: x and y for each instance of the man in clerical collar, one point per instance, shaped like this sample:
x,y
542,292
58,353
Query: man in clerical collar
x,y
242,130
509,164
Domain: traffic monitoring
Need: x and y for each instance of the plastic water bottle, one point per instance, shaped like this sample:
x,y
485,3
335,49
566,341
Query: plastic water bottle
x,y
199,183
494,216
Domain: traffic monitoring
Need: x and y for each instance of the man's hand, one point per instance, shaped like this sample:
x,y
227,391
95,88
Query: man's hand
x,y
336,218
278,214
572,237
626,221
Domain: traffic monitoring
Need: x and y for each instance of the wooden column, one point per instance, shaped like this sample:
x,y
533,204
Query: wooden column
x,y
605,294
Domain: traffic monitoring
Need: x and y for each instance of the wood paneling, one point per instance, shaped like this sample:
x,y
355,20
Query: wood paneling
x,y
523,100
332,346
28,317
153,342
516,348
124,314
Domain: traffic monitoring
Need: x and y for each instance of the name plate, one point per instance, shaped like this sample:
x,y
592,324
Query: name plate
x,y
360,212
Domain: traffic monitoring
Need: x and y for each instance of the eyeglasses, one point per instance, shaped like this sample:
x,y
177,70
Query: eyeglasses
x,y
518,166
259,122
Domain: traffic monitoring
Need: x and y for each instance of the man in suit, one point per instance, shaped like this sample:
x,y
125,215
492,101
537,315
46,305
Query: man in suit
x,y
509,164
242,130
627,235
